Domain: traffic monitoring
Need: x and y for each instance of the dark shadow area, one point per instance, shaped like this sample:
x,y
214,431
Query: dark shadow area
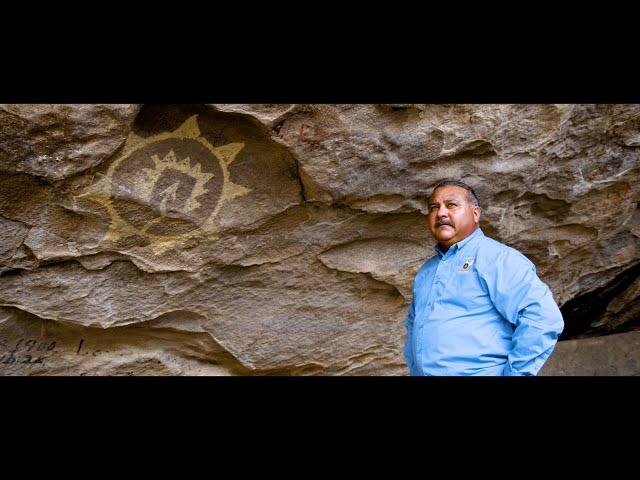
x,y
586,310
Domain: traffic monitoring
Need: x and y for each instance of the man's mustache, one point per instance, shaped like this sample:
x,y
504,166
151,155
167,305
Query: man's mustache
x,y
443,222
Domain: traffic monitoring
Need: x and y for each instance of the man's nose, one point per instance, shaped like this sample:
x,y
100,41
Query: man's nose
x,y
442,212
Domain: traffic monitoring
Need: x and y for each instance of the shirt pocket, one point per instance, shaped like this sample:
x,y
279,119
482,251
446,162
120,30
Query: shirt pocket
x,y
470,290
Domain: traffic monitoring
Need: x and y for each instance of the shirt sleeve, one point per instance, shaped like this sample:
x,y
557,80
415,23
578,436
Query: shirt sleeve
x,y
408,346
527,303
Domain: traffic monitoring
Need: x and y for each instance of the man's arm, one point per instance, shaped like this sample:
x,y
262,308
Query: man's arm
x,y
408,346
527,303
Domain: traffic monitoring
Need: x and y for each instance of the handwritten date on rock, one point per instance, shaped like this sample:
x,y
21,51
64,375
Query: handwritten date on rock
x,y
27,351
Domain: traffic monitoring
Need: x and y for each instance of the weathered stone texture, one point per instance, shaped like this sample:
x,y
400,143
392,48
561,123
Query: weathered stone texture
x,y
283,239
605,355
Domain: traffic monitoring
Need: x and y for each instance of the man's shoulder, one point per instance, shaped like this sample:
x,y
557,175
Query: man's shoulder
x,y
432,260
429,263
493,252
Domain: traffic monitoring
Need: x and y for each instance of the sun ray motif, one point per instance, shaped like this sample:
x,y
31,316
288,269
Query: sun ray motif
x,y
102,191
170,162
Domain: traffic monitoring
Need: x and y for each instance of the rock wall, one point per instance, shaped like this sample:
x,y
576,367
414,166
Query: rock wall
x,y
605,355
283,239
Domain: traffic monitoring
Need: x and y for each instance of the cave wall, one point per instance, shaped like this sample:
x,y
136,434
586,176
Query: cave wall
x,y
283,239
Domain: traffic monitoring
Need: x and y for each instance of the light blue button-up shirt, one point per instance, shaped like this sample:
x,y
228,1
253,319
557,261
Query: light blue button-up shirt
x,y
480,309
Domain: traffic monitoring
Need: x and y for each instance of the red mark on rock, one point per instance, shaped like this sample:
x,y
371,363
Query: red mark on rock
x,y
316,134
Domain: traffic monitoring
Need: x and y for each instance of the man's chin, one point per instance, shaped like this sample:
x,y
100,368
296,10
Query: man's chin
x,y
445,238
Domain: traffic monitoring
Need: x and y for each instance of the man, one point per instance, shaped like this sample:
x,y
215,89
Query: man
x,y
478,306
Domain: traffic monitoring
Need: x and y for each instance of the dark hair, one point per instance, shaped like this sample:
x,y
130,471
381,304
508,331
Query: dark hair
x,y
473,197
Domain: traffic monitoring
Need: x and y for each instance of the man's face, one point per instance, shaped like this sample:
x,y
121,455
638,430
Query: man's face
x,y
451,216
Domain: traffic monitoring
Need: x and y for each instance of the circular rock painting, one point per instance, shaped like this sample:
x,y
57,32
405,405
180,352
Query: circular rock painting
x,y
168,187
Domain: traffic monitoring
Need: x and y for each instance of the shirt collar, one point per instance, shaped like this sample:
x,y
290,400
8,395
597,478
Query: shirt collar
x,y
461,244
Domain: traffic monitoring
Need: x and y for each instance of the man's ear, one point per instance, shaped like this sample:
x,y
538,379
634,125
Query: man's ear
x,y
477,211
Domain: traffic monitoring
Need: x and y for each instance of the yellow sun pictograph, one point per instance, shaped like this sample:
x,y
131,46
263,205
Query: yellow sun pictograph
x,y
168,187
170,162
